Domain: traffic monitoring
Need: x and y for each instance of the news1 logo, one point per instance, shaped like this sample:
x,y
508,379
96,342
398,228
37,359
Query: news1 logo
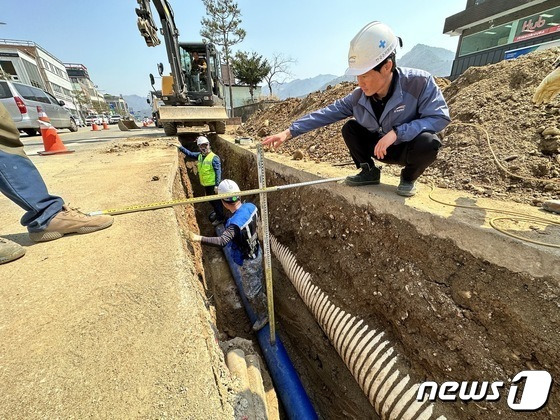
x,y
529,390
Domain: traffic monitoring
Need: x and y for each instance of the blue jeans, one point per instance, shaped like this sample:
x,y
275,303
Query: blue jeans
x,y
21,182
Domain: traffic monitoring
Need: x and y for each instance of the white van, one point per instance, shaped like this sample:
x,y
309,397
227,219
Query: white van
x,y
22,101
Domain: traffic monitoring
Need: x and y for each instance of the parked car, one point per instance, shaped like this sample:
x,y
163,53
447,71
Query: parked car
x,y
22,102
94,118
114,119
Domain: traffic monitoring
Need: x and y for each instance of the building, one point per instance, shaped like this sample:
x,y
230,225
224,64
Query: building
x,y
90,100
29,63
117,105
241,94
493,30
21,67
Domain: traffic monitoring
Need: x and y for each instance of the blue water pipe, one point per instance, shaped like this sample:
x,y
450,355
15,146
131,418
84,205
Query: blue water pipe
x,y
284,376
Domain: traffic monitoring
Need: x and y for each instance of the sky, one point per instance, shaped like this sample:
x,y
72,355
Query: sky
x,y
102,34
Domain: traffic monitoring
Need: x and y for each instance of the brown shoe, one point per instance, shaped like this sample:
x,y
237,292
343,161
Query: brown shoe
x,y
70,220
10,251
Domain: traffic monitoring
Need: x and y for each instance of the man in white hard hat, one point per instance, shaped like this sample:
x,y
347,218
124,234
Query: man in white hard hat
x,y
241,235
209,174
396,112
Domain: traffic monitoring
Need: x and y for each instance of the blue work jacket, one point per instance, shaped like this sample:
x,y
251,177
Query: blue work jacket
x,y
416,105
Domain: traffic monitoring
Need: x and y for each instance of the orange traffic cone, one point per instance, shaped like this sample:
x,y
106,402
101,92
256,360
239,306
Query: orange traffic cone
x,y
105,126
51,140
94,126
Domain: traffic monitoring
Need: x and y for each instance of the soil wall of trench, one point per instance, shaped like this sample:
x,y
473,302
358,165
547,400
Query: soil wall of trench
x,y
450,315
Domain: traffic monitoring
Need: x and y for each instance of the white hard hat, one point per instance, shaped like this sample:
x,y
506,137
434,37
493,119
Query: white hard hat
x,y
373,44
227,186
202,140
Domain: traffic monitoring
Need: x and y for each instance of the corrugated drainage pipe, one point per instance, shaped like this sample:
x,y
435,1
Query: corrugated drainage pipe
x,y
286,380
370,359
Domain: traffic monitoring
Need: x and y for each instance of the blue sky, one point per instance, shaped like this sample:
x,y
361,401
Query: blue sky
x,y
102,34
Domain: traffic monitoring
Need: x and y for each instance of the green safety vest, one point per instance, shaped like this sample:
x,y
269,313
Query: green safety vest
x,y
206,172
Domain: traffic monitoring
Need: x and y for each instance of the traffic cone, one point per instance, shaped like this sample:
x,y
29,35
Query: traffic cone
x,y
105,126
94,126
51,140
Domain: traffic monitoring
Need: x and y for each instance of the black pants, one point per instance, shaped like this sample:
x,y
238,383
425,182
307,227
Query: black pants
x,y
216,204
415,155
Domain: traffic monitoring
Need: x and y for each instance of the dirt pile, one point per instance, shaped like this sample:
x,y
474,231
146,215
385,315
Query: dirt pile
x,y
524,136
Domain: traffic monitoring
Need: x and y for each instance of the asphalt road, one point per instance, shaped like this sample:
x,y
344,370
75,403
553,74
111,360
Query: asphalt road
x,y
84,136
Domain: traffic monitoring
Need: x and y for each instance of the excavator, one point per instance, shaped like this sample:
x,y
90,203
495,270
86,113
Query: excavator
x,y
193,93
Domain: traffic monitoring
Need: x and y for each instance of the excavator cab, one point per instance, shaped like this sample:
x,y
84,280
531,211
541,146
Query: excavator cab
x,y
201,70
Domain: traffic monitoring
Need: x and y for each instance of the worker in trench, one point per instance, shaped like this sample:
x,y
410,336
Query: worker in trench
x,y
397,112
209,174
241,235
46,216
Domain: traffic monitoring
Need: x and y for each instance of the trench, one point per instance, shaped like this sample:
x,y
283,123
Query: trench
x,y
448,315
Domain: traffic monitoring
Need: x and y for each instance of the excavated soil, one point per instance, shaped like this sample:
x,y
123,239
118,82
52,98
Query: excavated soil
x,y
497,98
452,315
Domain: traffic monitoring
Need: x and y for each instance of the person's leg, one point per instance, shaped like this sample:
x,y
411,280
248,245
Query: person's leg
x,y
21,182
252,280
46,216
415,155
216,204
361,143
421,153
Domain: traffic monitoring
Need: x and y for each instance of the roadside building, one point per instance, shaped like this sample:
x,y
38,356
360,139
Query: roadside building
x,y
241,94
29,63
90,99
21,67
494,30
117,105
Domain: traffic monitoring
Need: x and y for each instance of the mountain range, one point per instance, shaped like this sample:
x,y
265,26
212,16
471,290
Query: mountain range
x,y
138,105
437,61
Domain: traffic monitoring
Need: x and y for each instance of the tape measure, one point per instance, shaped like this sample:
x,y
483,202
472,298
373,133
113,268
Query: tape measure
x,y
206,198
266,242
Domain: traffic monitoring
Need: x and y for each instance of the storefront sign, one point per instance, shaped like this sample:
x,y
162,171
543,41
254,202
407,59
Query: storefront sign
x,y
538,25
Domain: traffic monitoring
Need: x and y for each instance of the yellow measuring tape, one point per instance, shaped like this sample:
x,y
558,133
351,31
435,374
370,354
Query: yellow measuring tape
x,y
204,199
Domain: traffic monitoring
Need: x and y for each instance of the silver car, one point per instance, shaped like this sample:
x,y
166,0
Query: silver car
x,y
22,102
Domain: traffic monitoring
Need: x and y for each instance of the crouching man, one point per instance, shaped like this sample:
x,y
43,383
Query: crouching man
x,y
396,112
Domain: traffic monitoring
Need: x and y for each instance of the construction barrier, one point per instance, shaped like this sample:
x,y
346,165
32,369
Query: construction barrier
x,y
51,140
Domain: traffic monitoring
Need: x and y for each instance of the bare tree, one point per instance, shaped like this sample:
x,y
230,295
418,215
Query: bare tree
x,y
279,66
221,27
